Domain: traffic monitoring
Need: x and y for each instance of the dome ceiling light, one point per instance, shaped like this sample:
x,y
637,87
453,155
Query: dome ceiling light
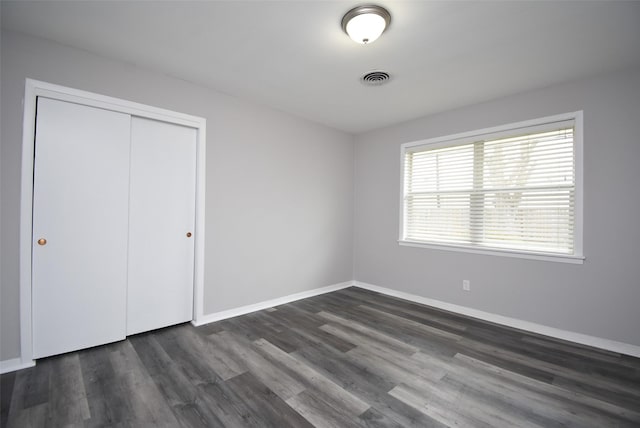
x,y
364,24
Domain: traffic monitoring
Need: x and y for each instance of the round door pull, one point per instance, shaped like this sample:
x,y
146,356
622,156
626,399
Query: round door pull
x,y
188,234
42,241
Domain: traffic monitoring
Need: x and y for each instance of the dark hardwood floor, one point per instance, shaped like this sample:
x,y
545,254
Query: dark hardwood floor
x,y
351,358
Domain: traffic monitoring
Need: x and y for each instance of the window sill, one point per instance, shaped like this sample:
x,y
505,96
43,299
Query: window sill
x,y
549,257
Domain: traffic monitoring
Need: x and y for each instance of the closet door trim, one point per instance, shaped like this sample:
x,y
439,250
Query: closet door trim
x,y
35,89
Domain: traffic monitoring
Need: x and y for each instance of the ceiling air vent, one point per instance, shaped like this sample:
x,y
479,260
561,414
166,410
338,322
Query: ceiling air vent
x,y
375,78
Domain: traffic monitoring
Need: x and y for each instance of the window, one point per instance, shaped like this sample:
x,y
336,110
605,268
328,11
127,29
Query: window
x,y
512,190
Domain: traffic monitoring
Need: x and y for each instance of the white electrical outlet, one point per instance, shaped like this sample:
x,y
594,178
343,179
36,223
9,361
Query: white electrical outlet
x,y
466,285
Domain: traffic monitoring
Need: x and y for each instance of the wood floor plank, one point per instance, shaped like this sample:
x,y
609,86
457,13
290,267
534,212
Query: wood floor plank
x,y
191,415
321,414
345,333
587,386
317,336
495,400
166,374
442,411
343,369
555,353
199,357
252,326
67,395
576,349
373,418
510,364
397,328
525,404
7,381
411,325
146,404
552,396
278,381
396,367
312,379
368,386
340,300
436,320
457,403
178,375
15,403
265,404
326,302
210,359
594,381
31,417
38,388
290,315
358,333
106,398
368,296
308,305
228,407
289,340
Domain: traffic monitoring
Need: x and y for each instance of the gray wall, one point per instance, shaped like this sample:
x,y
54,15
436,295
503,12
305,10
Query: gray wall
x,y
280,198
279,189
600,297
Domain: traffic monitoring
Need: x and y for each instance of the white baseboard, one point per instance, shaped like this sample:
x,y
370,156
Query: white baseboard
x,y
14,364
596,342
17,363
218,316
583,339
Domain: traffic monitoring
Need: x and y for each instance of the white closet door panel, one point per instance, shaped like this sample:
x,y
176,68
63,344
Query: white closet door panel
x,y
80,206
161,214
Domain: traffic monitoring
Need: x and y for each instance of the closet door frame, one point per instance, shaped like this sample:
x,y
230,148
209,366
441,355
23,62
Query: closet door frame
x,y
35,89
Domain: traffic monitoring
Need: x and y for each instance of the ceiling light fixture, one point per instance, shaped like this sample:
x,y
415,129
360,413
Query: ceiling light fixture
x,y
364,24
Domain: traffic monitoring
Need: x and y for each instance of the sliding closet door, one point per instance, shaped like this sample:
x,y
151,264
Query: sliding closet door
x,y
80,215
161,225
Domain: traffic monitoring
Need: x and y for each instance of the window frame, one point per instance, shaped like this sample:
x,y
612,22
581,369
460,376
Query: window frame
x,y
497,132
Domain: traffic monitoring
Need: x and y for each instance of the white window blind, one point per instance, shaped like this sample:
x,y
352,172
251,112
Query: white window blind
x,y
513,190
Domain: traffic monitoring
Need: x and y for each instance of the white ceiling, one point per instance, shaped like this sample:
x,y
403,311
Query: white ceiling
x,y
293,55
